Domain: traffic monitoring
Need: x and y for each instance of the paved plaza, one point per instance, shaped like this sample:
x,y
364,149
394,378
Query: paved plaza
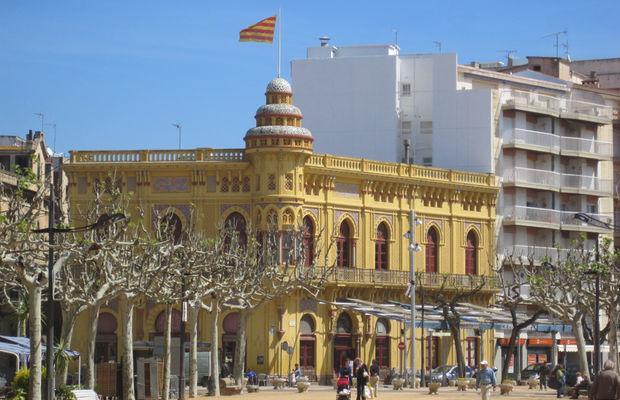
x,y
328,393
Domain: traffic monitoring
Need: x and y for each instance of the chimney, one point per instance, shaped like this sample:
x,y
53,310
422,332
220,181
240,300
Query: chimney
x,y
29,135
324,40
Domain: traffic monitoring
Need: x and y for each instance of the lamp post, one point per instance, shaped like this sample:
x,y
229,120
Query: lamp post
x,y
413,248
182,342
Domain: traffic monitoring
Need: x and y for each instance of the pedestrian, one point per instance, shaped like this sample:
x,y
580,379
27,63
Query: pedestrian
x,y
485,380
560,377
543,373
362,375
606,385
374,378
345,370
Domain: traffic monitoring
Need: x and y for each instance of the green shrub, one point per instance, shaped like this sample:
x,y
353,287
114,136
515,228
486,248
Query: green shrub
x,y
64,392
19,385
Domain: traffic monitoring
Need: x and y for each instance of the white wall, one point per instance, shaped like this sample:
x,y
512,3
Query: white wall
x,y
349,104
462,137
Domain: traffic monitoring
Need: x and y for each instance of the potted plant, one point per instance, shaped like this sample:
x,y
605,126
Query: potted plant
x,y
433,387
303,384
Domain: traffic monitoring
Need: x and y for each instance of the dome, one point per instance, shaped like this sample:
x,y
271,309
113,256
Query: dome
x,y
278,130
278,109
279,85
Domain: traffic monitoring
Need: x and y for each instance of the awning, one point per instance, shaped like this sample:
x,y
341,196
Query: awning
x,y
22,344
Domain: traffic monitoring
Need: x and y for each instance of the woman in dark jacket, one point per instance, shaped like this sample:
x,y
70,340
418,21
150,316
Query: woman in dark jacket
x,y
362,379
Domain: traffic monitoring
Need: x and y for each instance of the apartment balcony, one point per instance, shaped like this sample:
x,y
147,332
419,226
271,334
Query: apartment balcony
x,y
532,216
532,140
588,148
585,111
531,102
570,223
586,185
524,253
400,279
533,178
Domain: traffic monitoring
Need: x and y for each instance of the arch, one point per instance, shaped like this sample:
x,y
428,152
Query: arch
x,y
382,247
172,227
272,218
344,245
471,253
382,343
106,324
230,323
160,322
432,250
306,325
288,217
382,326
308,229
344,324
237,223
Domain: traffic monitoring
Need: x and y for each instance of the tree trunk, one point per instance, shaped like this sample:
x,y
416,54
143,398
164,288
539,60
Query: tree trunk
x,y
167,336
69,314
127,305
240,348
613,336
193,350
93,319
511,349
215,364
581,345
455,328
34,385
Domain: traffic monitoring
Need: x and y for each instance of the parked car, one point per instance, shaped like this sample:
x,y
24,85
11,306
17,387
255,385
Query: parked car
x,y
447,373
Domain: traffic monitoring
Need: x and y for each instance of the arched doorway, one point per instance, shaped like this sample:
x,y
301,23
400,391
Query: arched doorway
x,y
172,227
431,250
307,346
381,247
175,325
236,223
105,344
382,343
471,254
344,245
308,240
343,341
230,326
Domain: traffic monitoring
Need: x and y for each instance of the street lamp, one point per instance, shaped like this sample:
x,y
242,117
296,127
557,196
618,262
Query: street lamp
x,y
51,230
413,247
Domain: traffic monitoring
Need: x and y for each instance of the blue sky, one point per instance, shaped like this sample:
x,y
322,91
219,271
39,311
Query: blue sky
x,y
115,74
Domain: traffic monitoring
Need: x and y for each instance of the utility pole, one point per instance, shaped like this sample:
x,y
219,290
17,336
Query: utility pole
x,y
42,116
178,126
413,248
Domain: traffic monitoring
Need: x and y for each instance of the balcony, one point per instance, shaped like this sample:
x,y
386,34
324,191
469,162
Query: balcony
x,y
156,156
570,223
537,253
400,279
531,102
532,140
585,111
588,148
586,184
532,216
529,177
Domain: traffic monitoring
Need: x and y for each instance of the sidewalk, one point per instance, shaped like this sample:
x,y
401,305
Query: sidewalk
x,y
317,392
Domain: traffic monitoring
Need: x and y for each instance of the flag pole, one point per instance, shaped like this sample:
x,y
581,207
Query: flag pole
x,y
279,41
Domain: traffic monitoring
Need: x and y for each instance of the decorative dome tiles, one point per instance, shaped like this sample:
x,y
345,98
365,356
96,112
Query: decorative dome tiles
x,y
277,130
278,109
279,85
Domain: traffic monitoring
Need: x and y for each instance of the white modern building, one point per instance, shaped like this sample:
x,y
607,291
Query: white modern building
x,y
548,141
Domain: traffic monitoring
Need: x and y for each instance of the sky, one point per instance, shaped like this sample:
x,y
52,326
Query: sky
x,y
116,74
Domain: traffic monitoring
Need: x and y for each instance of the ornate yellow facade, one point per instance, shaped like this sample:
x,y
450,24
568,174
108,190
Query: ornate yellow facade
x,y
362,205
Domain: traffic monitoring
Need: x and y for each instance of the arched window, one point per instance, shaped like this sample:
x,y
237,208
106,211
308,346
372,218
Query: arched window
x,y
308,240
307,345
344,324
105,345
172,228
230,326
382,343
344,244
432,250
471,254
160,323
236,222
381,247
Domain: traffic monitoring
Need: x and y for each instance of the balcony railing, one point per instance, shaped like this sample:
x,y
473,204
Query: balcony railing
x,y
532,101
588,146
155,156
540,140
401,278
537,253
569,221
589,110
587,183
532,214
532,176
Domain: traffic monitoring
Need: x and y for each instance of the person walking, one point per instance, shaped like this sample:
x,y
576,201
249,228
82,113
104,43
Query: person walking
x,y
560,377
485,380
361,373
374,378
606,385
543,374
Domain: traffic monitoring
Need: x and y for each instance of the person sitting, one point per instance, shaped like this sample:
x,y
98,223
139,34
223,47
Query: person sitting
x,y
583,384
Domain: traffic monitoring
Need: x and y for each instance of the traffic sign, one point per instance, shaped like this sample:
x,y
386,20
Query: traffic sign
x,y
401,346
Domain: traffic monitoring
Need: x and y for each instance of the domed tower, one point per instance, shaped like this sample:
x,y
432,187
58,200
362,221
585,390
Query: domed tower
x,y
278,148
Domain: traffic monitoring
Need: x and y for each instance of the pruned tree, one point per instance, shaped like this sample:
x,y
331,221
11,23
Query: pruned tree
x,y
447,297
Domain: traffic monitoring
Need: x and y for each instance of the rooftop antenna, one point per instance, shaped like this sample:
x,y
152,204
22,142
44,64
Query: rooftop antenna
x,y
509,54
42,116
53,125
557,40
438,45
566,47
395,36
178,126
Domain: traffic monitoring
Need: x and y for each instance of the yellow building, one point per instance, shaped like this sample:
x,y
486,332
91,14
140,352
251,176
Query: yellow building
x,y
362,205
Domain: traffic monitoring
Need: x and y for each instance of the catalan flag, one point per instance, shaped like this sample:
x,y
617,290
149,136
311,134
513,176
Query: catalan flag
x,y
260,32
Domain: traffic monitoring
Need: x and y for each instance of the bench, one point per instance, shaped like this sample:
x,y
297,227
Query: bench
x,y
85,394
228,387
